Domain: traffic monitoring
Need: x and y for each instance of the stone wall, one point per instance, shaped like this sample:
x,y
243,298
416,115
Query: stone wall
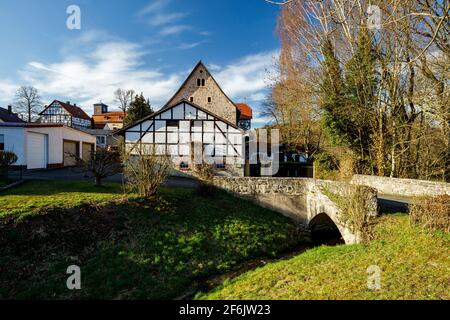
x,y
298,198
290,196
402,187
219,105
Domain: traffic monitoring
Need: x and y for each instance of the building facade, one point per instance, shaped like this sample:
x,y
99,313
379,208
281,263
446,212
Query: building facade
x,y
104,124
66,114
199,118
42,146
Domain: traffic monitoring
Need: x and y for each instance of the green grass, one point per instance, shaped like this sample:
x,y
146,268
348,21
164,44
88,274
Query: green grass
x,y
38,197
127,250
415,264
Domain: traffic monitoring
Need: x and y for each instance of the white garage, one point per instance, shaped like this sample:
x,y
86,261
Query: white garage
x,y
37,150
41,146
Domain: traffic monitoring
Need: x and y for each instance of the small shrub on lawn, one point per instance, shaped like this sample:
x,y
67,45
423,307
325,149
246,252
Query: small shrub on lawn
x,y
144,170
205,172
7,159
431,212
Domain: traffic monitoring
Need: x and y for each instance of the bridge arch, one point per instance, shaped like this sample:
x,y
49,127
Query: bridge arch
x,y
325,231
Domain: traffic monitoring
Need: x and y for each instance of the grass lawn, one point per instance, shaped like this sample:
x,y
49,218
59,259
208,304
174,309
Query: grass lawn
x,y
39,197
126,249
415,264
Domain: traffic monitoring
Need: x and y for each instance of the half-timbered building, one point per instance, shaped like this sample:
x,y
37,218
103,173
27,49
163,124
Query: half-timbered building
x,y
66,114
198,118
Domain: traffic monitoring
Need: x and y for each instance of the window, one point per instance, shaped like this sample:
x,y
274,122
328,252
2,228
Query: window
x,y
209,99
184,166
172,124
191,99
221,166
200,82
2,142
101,140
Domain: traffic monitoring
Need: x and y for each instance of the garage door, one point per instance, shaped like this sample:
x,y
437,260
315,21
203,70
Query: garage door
x,y
87,150
37,151
70,149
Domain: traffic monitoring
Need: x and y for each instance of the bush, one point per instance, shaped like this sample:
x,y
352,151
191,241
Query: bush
x,y
205,172
101,163
7,159
354,210
145,171
432,213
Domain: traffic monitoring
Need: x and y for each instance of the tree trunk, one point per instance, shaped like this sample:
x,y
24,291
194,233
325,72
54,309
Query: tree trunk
x,y
98,181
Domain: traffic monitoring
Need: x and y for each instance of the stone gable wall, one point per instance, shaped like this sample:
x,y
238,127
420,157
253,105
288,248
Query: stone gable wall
x,y
220,105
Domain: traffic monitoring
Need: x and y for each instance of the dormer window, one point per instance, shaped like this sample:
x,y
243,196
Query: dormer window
x,y
191,99
209,99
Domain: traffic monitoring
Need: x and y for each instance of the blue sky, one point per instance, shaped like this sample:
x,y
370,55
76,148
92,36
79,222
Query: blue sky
x,y
146,45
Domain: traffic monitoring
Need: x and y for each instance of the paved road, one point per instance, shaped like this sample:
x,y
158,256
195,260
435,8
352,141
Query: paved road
x,y
76,175
393,204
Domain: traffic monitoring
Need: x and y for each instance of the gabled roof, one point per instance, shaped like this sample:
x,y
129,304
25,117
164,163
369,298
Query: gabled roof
x,y
199,65
172,106
75,111
7,116
109,117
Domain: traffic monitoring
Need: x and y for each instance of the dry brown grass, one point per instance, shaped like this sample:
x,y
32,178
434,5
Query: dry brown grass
x,y
432,213
354,205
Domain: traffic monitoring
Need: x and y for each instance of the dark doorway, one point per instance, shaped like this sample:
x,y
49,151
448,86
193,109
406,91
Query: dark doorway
x,y
324,231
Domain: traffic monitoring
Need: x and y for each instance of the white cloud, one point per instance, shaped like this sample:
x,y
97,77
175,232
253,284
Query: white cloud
x,y
156,16
89,78
94,74
166,18
186,46
168,31
248,76
260,96
214,67
7,91
153,6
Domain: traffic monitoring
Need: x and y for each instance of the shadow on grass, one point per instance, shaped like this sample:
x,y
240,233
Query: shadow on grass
x,y
138,250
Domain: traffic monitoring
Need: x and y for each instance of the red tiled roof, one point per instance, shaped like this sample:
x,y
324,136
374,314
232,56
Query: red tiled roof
x,y
109,117
73,110
246,111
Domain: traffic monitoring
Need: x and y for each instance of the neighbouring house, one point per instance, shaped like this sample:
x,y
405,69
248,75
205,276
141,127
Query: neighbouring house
x,y
41,146
67,114
104,124
8,116
199,113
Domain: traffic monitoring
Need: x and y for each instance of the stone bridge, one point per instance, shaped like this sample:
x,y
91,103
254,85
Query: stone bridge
x,y
301,199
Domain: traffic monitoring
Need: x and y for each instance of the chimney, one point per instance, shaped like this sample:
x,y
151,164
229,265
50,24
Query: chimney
x,y
74,104
68,102
9,109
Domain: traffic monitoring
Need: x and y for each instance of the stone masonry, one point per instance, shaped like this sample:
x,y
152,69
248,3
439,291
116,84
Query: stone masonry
x,y
219,105
402,187
298,198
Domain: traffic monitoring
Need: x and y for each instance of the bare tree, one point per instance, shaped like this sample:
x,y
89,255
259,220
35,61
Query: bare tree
x,y
101,163
124,97
28,101
145,170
